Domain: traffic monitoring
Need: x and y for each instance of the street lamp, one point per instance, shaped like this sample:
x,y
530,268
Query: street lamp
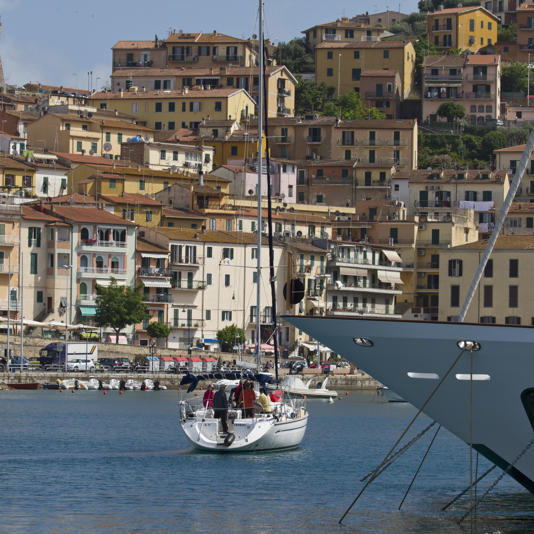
x,y
68,267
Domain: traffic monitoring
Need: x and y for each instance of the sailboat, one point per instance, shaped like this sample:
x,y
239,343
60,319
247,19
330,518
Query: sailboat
x,y
284,426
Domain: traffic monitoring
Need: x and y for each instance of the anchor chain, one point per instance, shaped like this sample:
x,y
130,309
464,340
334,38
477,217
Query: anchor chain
x,y
497,481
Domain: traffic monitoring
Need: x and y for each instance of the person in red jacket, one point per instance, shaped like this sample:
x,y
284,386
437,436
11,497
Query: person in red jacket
x,y
247,398
207,401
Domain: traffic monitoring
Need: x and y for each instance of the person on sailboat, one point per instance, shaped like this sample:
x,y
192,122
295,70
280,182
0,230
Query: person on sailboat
x,y
220,407
264,402
246,400
207,401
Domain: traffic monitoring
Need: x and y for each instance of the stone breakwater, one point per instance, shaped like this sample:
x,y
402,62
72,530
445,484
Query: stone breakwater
x,y
335,383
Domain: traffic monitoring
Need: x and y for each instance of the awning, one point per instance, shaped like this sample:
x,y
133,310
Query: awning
x,y
196,359
103,283
309,346
395,277
360,272
112,338
209,359
44,156
178,359
167,359
211,341
346,270
391,255
154,255
149,282
383,276
88,311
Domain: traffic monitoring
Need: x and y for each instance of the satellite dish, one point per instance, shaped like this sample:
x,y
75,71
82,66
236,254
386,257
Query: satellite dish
x,y
107,147
291,210
92,152
299,234
152,195
89,115
297,291
285,204
128,139
79,113
230,65
147,138
282,195
17,134
325,235
336,213
174,168
251,191
71,201
429,169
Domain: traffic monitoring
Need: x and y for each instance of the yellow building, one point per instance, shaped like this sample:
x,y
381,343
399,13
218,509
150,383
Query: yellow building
x,y
239,144
134,207
341,64
505,292
17,177
76,134
116,181
171,110
465,28
343,30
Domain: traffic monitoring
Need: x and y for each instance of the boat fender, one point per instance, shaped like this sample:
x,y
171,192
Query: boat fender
x,y
229,439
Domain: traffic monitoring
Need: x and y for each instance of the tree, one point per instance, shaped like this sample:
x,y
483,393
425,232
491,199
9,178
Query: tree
x,y
493,141
514,78
310,96
227,337
158,330
295,55
351,107
451,111
119,306
442,162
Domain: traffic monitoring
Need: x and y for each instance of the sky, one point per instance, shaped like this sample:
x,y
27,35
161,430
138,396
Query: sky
x,y
60,42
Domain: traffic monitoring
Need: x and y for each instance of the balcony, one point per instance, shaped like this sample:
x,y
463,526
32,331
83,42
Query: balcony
x,y
481,77
183,57
5,268
13,304
480,96
159,298
153,272
370,38
230,58
330,37
397,142
281,110
283,140
103,271
434,204
9,240
375,183
437,95
313,140
526,27
132,64
529,46
86,299
372,142
373,288
430,243
428,265
94,243
283,91
379,94
10,208
325,180
348,141
397,242
186,261
187,285
427,287
444,78
442,28
397,161
187,324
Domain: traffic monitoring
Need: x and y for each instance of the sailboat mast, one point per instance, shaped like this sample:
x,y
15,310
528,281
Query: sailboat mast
x,y
260,168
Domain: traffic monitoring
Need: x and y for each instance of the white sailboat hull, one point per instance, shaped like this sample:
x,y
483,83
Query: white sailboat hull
x,y
413,357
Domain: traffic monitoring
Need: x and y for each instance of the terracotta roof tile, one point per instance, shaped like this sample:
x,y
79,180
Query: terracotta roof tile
x,y
363,44
212,236
131,198
77,199
145,246
181,214
130,95
517,148
477,59
91,160
36,215
90,215
133,45
504,242
385,73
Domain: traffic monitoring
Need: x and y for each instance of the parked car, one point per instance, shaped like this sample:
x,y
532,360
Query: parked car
x,y
107,364
35,362
80,364
14,363
124,365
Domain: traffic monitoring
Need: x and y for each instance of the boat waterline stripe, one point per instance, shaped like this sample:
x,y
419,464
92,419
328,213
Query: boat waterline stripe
x,y
291,429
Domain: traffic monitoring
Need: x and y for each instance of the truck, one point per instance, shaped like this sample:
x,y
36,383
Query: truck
x,y
52,357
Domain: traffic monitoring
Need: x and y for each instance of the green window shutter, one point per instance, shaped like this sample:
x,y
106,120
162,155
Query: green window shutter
x,y
486,196
30,236
108,137
530,222
33,263
38,237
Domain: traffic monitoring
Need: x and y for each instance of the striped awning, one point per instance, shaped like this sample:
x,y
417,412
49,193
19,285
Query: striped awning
x,y
88,311
391,255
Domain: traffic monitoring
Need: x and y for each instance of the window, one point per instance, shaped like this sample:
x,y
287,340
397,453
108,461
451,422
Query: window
x,y
141,185
253,253
514,268
172,108
228,225
113,184
455,268
233,150
33,263
254,277
228,253
513,296
34,237
489,25
39,297
488,270
203,50
128,215
148,215
78,146
230,81
84,127
455,296
471,25
218,106
320,199
301,196
330,55
209,252
208,315
209,279
67,126
162,154
488,297
194,107
356,54
184,108
157,84
386,54
512,320
349,34
330,72
226,315
319,173
356,74
158,125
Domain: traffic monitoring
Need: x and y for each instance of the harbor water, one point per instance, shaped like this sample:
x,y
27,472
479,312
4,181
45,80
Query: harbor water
x,y
88,462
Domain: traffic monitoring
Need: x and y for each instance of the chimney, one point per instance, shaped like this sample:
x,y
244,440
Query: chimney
x,y
197,236
121,94
203,230
200,178
116,112
440,7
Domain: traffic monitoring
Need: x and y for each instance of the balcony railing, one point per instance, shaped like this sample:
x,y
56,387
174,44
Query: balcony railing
x,y
481,77
438,95
397,142
442,27
281,110
432,243
130,64
348,141
379,94
182,57
195,285
9,240
13,304
480,96
433,203
360,285
102,270
397,161
185,323
330,37
5,268
98,243
325,180
313,139
284,91
443,77
529,46
85,298
375,183
195,261
10,208
526,26
152,271
162,298
229,58
370,38
372,142
428,286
